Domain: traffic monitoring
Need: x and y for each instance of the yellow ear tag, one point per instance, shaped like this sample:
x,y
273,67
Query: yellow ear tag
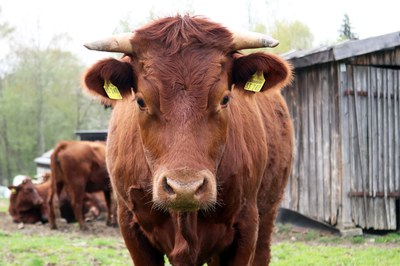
x,y
112,91
256,82
13,191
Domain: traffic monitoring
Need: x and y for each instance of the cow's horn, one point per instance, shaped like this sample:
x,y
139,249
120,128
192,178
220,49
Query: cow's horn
x,y
249,40
116,43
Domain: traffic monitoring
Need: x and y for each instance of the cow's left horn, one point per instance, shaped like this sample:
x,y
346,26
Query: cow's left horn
x,y
116,43
249,40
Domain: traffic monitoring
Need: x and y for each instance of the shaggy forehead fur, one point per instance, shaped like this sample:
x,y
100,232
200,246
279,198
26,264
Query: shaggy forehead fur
x,y
180,63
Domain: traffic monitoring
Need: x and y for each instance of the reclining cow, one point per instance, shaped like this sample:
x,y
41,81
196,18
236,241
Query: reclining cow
x,y
28,203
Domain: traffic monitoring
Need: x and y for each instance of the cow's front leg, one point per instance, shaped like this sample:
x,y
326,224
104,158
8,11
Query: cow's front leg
x,y
142,252
242,250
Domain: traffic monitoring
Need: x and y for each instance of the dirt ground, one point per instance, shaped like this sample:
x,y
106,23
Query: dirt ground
x,y
99,228
282,233
95,228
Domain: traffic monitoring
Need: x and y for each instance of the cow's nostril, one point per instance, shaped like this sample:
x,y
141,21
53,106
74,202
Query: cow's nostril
x,y
202,187
167,188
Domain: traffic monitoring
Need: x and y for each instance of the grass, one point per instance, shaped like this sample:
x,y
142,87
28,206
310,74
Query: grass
x,y
303,247
4,204
61,249
303,254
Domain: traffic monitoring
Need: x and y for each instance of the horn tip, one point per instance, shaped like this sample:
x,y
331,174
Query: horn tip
x,y
270,42
88,46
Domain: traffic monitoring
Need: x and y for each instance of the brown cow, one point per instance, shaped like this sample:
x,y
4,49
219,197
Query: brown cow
x,y
26,204
94,203
26,207
79,167
198,163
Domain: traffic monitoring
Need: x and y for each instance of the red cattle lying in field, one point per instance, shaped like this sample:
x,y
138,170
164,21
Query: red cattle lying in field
x,y
198,163
28,203
79,167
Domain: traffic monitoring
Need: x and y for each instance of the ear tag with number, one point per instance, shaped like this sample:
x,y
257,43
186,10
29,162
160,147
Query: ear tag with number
x,y
112,91
256,82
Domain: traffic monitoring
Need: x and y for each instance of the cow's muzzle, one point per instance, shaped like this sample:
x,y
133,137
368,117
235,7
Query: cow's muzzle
x,y
185,189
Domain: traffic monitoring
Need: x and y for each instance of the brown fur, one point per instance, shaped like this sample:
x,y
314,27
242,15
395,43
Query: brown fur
x,y
93,203
79,167
26,205
196,178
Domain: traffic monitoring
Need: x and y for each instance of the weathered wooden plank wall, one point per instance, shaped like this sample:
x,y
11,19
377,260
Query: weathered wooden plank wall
x,y
373,106
313,188
346,117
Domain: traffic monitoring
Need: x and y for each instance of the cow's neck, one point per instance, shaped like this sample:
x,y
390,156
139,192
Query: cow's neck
x,y
186,246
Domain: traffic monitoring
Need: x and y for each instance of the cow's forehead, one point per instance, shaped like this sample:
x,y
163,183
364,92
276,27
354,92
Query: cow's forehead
x,y
188,78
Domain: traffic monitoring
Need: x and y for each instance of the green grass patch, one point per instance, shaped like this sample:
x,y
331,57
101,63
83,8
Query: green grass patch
x,y
284,228
287,254
389,238
17,249
4,205
358,240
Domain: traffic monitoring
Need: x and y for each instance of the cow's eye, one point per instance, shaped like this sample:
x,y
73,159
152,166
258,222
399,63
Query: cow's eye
x,y
225,101
141,103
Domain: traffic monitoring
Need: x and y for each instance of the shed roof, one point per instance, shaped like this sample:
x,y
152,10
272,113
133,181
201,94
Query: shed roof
x,y
347,49
44,159
92,135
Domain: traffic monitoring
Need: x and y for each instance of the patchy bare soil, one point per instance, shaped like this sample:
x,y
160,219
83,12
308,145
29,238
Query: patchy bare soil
x,y
282,233
95,228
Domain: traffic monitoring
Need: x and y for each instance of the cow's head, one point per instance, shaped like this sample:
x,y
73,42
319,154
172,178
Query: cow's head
x,y
180,75
24,197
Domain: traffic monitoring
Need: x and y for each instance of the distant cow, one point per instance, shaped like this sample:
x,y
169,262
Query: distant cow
x,y
79,167
200,141
94,203
26,204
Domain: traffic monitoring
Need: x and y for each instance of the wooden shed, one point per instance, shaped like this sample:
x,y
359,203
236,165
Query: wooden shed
x,y
346,113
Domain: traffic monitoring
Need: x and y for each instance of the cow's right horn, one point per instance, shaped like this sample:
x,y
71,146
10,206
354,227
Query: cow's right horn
x,y
116,43
249,40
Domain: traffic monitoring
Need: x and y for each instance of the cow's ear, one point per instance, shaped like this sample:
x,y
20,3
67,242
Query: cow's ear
x,y
14,189
110,80
260,72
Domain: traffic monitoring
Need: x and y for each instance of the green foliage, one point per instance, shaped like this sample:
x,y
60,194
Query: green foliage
x,y
346,30
292,35
41,103
5,28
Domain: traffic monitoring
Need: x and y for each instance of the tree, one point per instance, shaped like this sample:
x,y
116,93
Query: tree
x,y
291,35
346,30
41,103
5,28
5,31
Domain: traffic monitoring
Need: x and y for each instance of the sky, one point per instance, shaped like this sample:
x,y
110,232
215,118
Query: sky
x,y
88,20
